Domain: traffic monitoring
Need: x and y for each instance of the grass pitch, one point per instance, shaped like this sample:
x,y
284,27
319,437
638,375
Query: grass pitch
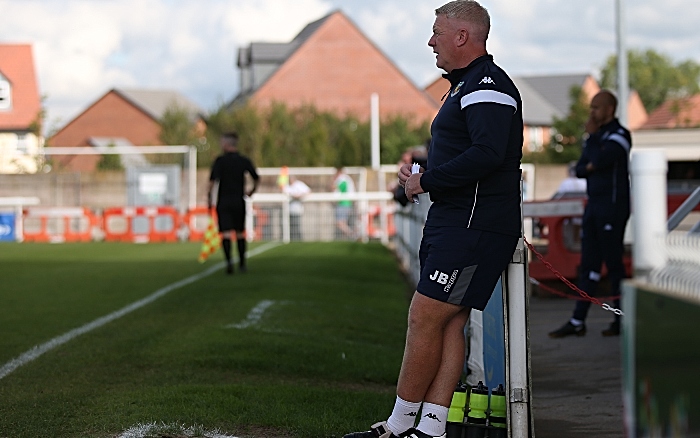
x,y
308,343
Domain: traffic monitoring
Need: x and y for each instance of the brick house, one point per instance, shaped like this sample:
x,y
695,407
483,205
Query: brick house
x,y
21,141
546,97
334,66
675,114
120,117
674,127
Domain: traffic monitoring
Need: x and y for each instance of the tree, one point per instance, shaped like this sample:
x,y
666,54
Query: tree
x,y
304,136
176,128
110,161
566,142
655,77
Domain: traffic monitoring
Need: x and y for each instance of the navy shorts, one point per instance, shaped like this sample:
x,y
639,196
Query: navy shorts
x,y
231,216
462,265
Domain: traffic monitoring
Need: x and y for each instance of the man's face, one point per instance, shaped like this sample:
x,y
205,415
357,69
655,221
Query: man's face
x,y
443,43
601,111
227,143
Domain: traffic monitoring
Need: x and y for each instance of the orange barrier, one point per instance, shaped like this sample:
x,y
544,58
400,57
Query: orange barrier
x,y
197,220
374,229
260,218
58,224
140,224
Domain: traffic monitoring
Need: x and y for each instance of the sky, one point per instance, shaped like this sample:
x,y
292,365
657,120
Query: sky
x,y
84,48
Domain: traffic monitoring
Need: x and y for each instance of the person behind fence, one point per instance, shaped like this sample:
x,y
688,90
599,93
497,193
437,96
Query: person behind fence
x,y
344,214
296,190
229,171
604,163
473,224
572,185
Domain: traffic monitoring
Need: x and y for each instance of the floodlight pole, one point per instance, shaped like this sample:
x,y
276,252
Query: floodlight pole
x,y
622,70
192,172
374,106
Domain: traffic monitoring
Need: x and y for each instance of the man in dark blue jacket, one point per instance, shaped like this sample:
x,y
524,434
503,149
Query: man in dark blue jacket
x,y
473,226
604,164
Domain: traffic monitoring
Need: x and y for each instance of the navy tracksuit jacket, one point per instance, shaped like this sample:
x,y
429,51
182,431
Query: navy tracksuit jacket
x,y
607,210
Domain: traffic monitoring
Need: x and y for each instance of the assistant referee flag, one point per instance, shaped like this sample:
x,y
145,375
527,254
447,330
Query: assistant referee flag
x,y
211,242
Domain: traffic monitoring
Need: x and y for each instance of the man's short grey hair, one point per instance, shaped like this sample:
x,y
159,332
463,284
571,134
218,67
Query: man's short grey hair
x,y
469,11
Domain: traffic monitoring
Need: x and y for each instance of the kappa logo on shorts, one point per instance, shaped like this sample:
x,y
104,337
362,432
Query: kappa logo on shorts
x,y
442,278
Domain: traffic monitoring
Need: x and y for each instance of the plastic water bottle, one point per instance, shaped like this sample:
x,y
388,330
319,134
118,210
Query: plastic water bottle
x,y
497,414
478,405
455,416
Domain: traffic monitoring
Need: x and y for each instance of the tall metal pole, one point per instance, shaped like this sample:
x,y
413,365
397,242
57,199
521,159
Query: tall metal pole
x,y
622,71
374,105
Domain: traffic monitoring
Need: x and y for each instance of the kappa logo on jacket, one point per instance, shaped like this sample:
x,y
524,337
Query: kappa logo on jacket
x,y
487,80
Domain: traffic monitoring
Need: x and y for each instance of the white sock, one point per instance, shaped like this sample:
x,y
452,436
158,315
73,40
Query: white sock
x,y
576,322
403,417
433,419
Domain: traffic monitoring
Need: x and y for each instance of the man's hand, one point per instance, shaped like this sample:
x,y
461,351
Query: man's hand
x,y
405,173
412,185
591,126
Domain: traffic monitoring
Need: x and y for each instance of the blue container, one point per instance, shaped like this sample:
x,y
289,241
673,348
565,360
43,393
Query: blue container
x,y
7,227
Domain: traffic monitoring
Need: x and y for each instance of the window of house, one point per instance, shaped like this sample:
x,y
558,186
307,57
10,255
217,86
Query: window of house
x,y
535,138
22,143
5,95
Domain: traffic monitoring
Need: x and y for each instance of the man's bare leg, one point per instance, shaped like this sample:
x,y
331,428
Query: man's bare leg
x,y
453,356
430,322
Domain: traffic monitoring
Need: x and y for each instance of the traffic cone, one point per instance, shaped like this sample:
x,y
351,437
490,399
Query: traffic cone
x,y
211,243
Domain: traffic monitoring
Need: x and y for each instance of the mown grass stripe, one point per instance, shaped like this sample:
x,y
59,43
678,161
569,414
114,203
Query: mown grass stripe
x,y
39,350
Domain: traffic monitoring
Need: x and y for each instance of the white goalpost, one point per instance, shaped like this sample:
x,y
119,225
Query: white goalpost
x,y
189,151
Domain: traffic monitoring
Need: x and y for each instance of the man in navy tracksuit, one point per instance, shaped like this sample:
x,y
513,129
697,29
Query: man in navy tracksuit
x,y
473,226
604,164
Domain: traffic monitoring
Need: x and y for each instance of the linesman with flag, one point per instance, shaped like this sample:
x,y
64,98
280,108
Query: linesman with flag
x,y
229,171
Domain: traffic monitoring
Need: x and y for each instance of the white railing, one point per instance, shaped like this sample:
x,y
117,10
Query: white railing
x,y
669,261
681,274
269,217
409,222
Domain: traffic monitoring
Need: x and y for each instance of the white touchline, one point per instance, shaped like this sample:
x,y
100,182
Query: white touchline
x,y
254,315
38,350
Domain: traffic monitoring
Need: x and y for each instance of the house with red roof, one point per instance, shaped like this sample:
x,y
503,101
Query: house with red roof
x,y
120,117
674,127
21,141
334,66
675,113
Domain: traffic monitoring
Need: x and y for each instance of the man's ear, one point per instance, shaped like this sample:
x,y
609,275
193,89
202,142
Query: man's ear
x,y
462,37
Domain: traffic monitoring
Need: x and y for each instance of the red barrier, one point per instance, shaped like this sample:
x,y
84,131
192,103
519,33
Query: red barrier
x,y
58,224
196,220
374,229
260,220
140,224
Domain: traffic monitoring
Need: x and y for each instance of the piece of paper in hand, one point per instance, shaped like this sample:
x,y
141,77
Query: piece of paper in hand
x,y
415,169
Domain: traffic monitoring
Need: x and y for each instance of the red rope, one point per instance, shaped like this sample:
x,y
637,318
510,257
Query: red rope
x,y
583,295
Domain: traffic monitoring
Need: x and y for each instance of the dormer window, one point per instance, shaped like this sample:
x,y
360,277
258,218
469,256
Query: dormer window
x,y
5,94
